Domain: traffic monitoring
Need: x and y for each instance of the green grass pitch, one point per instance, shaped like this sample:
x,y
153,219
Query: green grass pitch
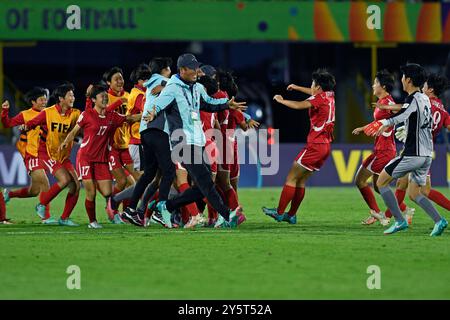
x,y
324,256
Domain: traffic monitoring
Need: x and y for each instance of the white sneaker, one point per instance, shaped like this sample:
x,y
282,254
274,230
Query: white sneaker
x,y
409,213
94,225
193,222
384,221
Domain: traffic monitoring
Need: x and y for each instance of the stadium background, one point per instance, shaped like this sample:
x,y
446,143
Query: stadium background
x,y
268,44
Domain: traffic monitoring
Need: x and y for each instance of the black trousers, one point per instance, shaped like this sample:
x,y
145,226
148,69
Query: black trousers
x,y
156,155
200,173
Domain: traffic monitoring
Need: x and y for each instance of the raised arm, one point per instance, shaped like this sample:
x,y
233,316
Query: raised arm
x,y
8,122
299,88
298,105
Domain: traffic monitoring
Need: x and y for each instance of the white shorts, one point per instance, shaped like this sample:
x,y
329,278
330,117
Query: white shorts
x,y
137,154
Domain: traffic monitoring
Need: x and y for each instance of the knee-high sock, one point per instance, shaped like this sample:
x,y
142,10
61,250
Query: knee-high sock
x,y
439,199
369,197
296,201
46,197
20,193
232,199
400,195
71,202
286,197
189,209
391,202
90,210
428,207
2,207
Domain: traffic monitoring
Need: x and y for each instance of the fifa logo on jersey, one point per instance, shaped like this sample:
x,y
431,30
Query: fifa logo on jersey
x,y
73,21
60,127
374,19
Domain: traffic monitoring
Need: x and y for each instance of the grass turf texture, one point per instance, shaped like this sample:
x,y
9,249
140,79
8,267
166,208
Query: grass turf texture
x,y
324,256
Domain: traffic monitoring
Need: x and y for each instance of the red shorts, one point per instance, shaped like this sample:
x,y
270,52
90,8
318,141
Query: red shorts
x,y
229,157
212,152
313,156
119,158
376,162
52,166
88,170
33,163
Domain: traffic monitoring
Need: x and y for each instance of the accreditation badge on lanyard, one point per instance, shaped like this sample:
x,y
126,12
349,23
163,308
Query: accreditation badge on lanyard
x,y
194,112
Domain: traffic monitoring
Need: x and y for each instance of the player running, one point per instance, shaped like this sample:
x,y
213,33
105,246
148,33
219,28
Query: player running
x,y
28,147
98,126
135,105
322,116
119,156
433,88
55,123
384,149
416,157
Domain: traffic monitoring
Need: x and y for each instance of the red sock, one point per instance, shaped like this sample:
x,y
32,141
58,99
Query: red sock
x,y
212,213
155,196
46,197
2,207
222,195
191,208
369,197
439,199
298,198
185,215
232,199
126,203
71,202
21,193
47,211
287,195
400,195
90,209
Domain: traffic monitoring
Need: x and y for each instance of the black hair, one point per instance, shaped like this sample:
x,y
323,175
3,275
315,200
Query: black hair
x,y
227,82
438,83
159,63
62,90
96,89
34,94
415,72
324,79
210,84
107,76
142,72
386,80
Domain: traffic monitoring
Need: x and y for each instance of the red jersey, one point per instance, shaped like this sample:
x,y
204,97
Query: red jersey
x,y
98,133
222,116
385,141
208,119
440,116
321,117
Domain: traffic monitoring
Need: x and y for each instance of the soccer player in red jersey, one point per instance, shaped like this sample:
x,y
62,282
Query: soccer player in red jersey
x,y
135,105
312,157
98,126
55,123
227,88
119,156
384,148
28,148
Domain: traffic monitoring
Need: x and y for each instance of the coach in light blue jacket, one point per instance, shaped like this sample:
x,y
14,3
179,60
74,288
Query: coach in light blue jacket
x,y
181,100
